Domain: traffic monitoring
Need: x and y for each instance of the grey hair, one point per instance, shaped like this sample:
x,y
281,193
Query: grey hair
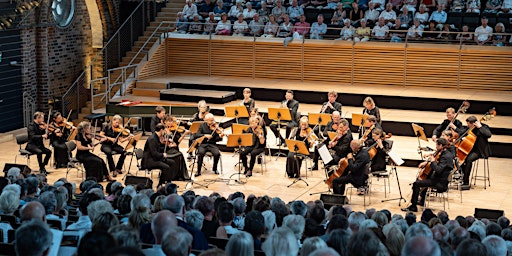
x,y
125,236
33,238
194,218
270,221
312,244
177,241
240,243
421,245
239,205
295,223
418,229
281,242
9,202
98,207
129,190
495,245
48,200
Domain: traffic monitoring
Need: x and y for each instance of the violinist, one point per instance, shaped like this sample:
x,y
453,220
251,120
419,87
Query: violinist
x,y
331,105
480,148
94,165
293,106
355,172
153,158
212,133
440,164
158,118
259,135
332,126
58,139
202,110
113,133
302,133
249,104
174,135
371,109
453,125
381,147
36,133
368,141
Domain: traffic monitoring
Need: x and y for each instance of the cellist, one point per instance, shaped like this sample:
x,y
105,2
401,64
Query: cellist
x,y
355,172
437,169
480,148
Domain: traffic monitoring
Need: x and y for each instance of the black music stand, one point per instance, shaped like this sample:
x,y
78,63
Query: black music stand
x,y
193,148
420,134
319,120
236,112
239,140
279,114
132,143
395,161
298,148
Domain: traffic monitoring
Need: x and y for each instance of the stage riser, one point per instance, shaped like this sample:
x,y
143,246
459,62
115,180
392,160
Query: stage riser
x,y
351,99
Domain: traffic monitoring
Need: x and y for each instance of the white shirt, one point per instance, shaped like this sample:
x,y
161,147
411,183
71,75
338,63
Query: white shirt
x,y
189,11
482,33
380,31
391,15
83,223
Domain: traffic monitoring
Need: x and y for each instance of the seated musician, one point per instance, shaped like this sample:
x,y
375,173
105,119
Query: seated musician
x,y
249,104
331,105
341,146
302,133
36,134
355,172
366,132
434,175
154,158
202,110
380,146
371,109
212,133
94,165
58,139
158,118
480,148
448,122
114,133
293,106
259,135
175,134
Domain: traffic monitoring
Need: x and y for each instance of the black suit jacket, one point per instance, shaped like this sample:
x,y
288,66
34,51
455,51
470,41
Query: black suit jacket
x,y
154,122
336,107
293,106
152,150
358,166
35,135
481,146
440,128
442,167
199,241
342,147
204,129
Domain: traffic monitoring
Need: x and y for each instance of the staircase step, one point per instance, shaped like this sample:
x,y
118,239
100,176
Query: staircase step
x,y
146,92
85,110
151,85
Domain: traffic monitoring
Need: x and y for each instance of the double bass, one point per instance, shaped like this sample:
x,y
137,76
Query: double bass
x,y
462,109
465,144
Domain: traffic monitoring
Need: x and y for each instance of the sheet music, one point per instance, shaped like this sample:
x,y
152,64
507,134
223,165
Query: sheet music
x,y
395,158
324,154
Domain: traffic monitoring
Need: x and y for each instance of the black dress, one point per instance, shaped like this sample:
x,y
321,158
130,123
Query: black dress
x,y
60,150
94,165
180,168
293,163
249,105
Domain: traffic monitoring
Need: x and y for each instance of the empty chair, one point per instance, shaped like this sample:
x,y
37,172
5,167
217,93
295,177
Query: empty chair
x,y
21,140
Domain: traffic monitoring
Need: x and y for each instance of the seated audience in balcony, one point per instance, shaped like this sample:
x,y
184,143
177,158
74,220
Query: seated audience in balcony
x,y
240,26
465,35
458,5
223,26
196,26
380,31
189,10
416,30
389,15
371,15
422,15
286,28
256,26
483,34
205,8
219,9
397,31
411,5
319,28
380,5
405,17
332,4
445,33
498,38
279,11
355,15
319,4
235,10
493,6
432,32
271,27
249,12
506,6
210,24
301,28
473,6
363,32
181,24
439,16
295,11
347,32
339,15
347,4
429,4
264,12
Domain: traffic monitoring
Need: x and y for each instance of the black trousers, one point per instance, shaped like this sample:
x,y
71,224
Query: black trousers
x,y
40,151
245,151
293,164
60,154
289,125
467,165
201,151
108,149
167,169
94,165
338,184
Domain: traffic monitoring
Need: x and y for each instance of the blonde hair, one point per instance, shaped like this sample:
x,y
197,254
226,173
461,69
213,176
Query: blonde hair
x,y
369,100
201,103
117,117
450,110
247,90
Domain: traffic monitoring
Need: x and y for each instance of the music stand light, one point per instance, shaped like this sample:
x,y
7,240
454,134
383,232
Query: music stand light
x,y
297,147
239,140
236,112
279,115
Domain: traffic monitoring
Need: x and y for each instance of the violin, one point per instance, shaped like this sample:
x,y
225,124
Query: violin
x,y
121,130
65,124
42,125
258,131
175,127
215,128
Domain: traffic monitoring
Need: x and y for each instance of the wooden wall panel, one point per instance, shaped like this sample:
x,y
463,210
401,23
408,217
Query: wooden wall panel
x,y
328,61
188,56
156,66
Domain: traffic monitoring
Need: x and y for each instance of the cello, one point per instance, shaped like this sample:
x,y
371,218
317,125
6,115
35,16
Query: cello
x,y
464,144
426,171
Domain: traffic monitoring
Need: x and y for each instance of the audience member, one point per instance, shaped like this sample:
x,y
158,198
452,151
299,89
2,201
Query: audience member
x,y
33,238
240,243
177,242
281,242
